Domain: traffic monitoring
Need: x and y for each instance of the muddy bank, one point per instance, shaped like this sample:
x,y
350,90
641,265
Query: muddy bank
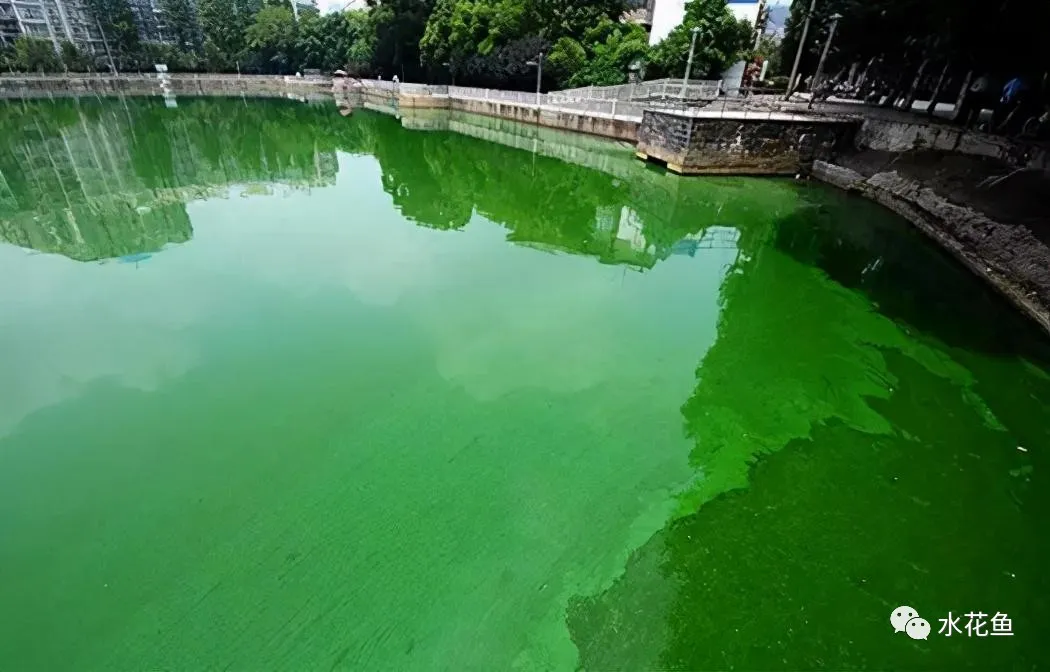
x,y
999,230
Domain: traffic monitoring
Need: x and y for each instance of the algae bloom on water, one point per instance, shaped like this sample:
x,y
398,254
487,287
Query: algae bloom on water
x,y
286,390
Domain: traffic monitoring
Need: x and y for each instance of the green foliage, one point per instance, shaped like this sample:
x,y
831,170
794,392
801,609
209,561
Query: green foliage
x,y
360,54
769,50
480,42
274,37
73,59
399,26
225,24
117,22
176,59
611,49
332,41
183,24
571,18
32,54
778,82
567,58
477,37
721,41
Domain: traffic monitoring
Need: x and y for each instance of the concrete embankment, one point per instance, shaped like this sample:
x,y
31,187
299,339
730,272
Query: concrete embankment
x,y
13,86
550,116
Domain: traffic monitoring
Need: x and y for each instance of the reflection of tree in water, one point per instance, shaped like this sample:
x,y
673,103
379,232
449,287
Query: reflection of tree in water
x,y
439,179
840,460
102,178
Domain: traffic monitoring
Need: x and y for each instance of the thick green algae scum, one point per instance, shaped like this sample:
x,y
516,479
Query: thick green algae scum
x,y
286,390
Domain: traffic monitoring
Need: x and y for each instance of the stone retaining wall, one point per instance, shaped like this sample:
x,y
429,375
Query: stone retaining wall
x,y
773,145
152,85
901,136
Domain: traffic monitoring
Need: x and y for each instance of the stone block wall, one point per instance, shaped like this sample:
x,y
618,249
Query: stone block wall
x,y
920,134
771,145
151,85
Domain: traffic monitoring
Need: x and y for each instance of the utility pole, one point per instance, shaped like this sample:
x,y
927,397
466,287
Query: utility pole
x,y
689,64
539,76
823,56
801,46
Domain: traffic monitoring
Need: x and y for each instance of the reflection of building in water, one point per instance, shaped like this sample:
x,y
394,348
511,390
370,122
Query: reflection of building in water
x,y
98,185
623,231
631,231
74,191
715,237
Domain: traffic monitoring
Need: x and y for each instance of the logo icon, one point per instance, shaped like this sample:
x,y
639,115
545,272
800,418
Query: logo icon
x,y
918,628
900,617
907,620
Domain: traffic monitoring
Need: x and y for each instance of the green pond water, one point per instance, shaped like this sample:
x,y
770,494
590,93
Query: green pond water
x,y
282,389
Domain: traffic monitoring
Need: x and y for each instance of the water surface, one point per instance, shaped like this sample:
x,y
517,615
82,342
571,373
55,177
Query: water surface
x,y
282,389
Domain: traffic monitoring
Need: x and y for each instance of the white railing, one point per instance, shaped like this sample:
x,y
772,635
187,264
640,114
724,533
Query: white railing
x,y
380,84
609,107
695,89
517,97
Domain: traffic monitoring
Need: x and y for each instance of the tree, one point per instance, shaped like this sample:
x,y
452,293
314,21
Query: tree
x,y
475,36
118,27
176,59
506,66
573,18
73,59
326,42
769,51
274,36
360,55
611,47
33,54
399,27
224,24
721,41
567,58
183,24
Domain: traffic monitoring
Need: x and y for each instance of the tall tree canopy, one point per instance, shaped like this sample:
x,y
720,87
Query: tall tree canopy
x,y
183,23
602,57
460,29
998,36
721,40
274,37
118,26
399,26
225,26
491,43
